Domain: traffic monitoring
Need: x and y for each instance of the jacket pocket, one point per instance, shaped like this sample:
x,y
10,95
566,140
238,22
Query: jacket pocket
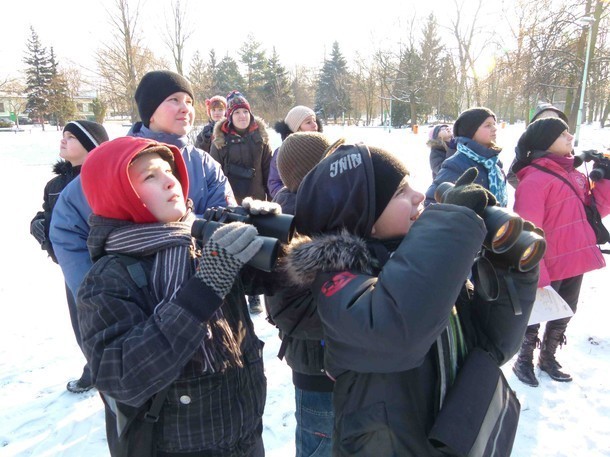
x,y
366,432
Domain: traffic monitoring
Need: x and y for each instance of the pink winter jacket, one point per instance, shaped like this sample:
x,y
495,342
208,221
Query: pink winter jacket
x,y
550,204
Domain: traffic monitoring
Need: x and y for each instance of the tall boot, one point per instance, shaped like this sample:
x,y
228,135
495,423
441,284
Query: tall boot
x,y
553,337
524,366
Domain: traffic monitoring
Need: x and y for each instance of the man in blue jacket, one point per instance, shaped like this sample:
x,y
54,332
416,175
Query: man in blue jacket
x,y
165,105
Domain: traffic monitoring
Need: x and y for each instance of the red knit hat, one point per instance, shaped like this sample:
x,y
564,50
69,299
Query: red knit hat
x,y
105,178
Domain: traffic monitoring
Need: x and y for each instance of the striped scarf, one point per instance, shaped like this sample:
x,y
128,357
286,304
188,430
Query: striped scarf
x,y
173,249
497,183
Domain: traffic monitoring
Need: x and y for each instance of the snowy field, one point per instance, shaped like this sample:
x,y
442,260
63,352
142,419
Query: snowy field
x,y
38,417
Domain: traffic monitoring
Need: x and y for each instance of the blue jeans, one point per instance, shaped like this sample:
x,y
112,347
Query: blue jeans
x,y
315,417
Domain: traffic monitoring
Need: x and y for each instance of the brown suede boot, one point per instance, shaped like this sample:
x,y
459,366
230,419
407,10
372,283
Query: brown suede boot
x,y
524,366
552,338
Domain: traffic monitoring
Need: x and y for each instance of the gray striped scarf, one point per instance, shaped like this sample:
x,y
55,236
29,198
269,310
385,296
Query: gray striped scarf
x,y
174,262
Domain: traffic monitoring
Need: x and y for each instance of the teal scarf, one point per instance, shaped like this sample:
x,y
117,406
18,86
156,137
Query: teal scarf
x,y
497,182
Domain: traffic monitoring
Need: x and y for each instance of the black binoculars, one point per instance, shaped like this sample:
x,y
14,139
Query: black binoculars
x,y
507,242
273,229
596,172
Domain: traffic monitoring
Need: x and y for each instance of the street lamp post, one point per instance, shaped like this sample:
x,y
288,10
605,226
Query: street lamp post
x,y
586,22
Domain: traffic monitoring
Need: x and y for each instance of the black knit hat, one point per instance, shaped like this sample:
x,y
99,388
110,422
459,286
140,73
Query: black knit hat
x,y
155,87
90,134
389,173
470,120
539,136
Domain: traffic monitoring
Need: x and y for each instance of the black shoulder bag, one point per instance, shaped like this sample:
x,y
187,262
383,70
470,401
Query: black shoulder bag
x,y
601,233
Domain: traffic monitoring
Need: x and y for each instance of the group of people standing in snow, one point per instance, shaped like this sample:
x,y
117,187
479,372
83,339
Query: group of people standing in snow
x,y
376,320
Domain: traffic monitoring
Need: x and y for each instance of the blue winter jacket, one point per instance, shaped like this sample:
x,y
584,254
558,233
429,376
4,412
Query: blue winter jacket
x,y
453,167
69,229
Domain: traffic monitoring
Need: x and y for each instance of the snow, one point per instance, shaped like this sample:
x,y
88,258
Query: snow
x,y
38,417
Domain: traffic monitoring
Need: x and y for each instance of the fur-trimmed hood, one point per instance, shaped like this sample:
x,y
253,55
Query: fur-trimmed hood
x,y
219,135
63,167
306,257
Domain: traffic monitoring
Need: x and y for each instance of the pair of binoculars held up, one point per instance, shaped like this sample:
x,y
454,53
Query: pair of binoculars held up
x,y
273,229
510,241
597,172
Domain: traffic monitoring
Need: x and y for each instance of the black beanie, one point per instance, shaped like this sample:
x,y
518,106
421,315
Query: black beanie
x,y
470,120
90,134
155,87
388,172
539,136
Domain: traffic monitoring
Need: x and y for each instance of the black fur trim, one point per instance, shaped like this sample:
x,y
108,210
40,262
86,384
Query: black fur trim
x,y
306,257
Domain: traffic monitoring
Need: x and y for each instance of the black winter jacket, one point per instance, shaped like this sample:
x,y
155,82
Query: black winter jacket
x,y
135,350
204,138
245,160
381,328
39,226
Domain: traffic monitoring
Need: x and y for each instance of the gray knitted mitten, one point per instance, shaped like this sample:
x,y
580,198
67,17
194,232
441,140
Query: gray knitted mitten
x,y
223,256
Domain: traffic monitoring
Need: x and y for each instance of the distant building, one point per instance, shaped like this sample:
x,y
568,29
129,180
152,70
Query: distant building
x,y
12,105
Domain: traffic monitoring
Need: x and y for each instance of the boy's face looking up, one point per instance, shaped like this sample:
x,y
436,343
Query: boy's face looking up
x,y
157,187
71,150
175,114
486,133
403,209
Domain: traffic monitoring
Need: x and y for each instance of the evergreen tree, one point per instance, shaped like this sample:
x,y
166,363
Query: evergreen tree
x,y
276,89
407,89
61,107
431,51
198,76
255,63
38,77
229,77
332,96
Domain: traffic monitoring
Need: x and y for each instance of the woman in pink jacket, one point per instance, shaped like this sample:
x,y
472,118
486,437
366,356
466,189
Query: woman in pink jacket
x,y
551,193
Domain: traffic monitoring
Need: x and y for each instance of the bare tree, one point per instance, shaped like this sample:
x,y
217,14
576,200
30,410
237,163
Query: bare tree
x,y
178,32
123,60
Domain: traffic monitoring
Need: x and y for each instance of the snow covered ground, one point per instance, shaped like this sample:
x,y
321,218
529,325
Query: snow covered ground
x,y
38,353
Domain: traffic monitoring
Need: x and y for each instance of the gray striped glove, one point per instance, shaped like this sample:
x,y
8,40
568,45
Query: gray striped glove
x,y
227,251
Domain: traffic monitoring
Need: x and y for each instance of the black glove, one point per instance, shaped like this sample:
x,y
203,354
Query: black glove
x,y
229,248
466,193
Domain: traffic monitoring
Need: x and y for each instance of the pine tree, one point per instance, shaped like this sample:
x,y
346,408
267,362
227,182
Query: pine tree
x,y
255,62
61,107
332,96
229,77
275,92
38,78
431,51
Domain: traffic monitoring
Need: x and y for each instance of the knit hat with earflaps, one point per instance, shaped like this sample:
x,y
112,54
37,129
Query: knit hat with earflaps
x,y
89,134
155,87
236,100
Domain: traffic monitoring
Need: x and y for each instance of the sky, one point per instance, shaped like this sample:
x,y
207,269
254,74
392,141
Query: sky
x,y
38,353
302,33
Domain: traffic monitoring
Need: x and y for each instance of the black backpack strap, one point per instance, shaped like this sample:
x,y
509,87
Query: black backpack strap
x,y
135,269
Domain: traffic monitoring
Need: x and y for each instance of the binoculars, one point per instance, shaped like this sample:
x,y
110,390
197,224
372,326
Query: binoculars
x,y
596,172
273,229
510,241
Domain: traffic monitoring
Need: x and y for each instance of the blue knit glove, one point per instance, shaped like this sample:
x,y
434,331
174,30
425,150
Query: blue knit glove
x,y
227,251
